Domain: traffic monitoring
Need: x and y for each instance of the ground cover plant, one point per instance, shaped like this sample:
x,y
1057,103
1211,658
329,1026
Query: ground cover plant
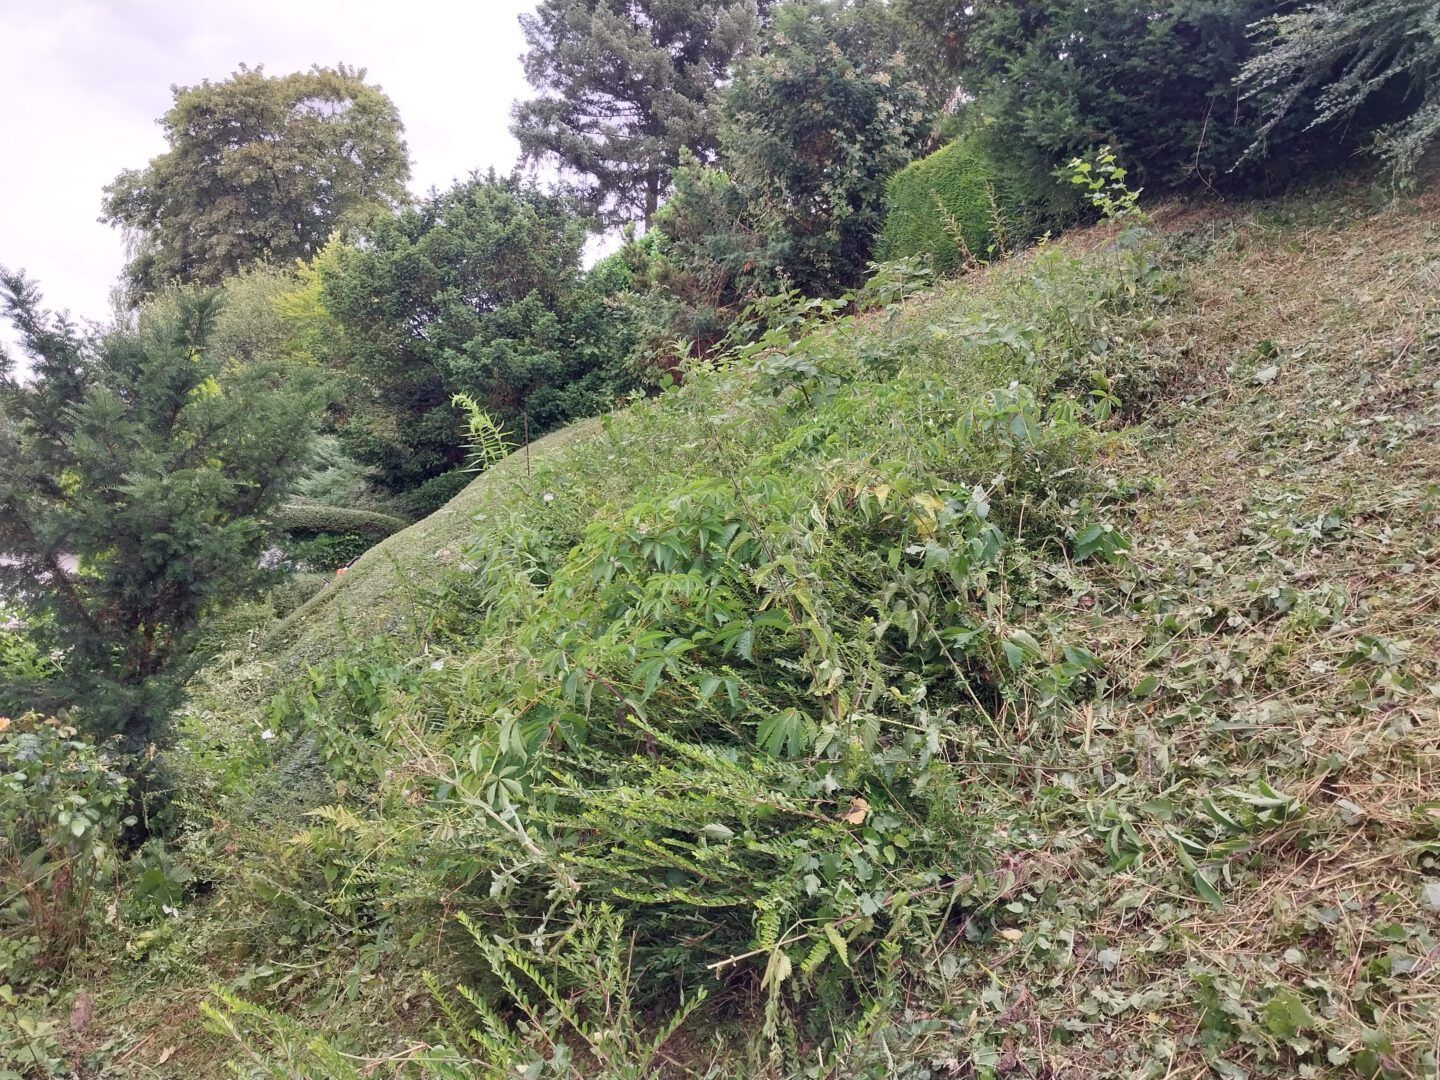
x,y
1033,677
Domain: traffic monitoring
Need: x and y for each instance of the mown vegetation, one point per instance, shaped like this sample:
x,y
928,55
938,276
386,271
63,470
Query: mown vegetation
x,y
1025,672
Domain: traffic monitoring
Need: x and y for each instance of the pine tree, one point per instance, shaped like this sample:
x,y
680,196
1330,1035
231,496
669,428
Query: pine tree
x,y
135,474
624,86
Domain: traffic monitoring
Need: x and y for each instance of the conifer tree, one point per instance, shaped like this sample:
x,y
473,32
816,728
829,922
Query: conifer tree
x,y
135,474
1332,62
623,86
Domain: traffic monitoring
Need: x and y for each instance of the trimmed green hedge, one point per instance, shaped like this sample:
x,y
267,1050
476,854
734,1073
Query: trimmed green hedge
x,y
932,199
303,519
438,490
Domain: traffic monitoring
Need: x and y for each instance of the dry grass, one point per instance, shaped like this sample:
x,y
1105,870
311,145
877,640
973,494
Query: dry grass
x,y
1293,522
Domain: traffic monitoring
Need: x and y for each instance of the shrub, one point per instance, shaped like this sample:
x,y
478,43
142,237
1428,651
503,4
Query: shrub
x,y
813,125
716,689
327,537
302,519
326,552
1055,79
23,664
950,206
434,493
62,806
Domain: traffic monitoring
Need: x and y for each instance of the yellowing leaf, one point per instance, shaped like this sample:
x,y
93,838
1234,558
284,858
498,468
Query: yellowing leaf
x,y
858,812
777,971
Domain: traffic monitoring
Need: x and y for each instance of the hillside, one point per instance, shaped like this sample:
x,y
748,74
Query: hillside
x,y
1036,677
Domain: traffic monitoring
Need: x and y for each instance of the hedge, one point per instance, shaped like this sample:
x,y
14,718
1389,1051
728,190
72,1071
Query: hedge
x,y
932,199
434,493
305,519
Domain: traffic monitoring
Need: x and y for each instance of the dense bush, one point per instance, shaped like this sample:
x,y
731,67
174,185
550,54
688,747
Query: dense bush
x,y
304,519
697,268
431,495
951,206
62,806
814,126
1056,79
1355,60
327,537
476,290
23,663
715,688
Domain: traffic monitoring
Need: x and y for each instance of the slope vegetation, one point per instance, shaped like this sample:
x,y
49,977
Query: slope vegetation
x,y
1037,677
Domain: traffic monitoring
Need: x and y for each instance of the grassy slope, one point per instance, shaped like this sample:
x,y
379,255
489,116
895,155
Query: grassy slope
x,y
1287,545
370,598
378,593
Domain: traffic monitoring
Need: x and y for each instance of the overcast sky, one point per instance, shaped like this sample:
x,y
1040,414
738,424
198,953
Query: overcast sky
x,y
83,82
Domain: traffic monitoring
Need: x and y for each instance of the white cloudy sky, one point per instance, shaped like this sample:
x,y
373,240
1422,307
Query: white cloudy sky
x,y
83,82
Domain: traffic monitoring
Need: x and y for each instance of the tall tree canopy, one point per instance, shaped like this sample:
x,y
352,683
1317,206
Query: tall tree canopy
x,y
153,463
477,290
258,167
814,127
624,86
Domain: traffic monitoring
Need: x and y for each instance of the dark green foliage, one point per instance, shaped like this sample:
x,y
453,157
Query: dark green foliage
x,y
696,269
430,495
258,168
625,86
937,34
322,552
814,126
62,806
333,479
476,290
948,206
1057,79
1340,60
720,688
153,463
301,519
326,537
24,665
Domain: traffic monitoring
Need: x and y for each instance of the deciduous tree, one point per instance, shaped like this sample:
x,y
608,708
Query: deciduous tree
x,y
258,167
